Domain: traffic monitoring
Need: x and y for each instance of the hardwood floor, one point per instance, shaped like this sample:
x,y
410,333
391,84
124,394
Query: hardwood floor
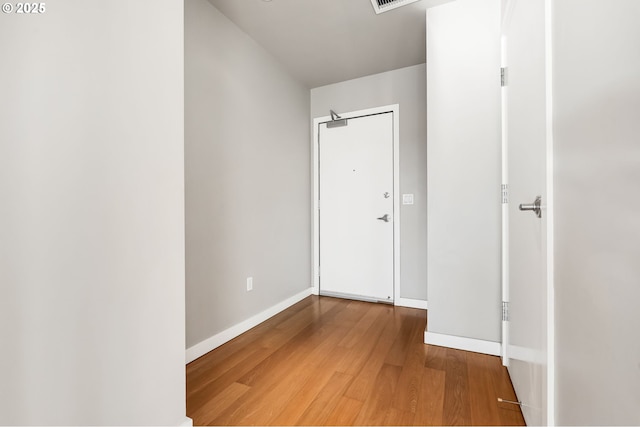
x,y
327,361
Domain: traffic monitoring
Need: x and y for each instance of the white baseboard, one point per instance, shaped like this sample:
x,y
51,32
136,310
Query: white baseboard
x,y
462,343
526,354
227,335
187,422
411,303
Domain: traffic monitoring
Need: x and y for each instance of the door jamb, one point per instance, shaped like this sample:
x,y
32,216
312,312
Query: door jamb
x,y
315,222
551,305
504,345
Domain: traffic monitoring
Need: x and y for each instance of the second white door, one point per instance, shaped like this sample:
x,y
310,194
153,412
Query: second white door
x,y
356,185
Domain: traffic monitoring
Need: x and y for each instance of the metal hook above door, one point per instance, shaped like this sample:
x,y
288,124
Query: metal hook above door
x,y
336,120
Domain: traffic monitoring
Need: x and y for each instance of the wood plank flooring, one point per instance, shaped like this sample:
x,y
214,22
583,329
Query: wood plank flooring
x,y
327,361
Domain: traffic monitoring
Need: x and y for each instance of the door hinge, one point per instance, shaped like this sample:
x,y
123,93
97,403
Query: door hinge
x,y
504,191
504,73
505,311
318,204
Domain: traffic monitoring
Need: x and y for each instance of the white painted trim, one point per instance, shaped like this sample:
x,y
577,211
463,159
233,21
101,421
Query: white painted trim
x,y
529,355
550,213
411,303
505,180
396,200
315,217
462,343
227,335
187,422
395,109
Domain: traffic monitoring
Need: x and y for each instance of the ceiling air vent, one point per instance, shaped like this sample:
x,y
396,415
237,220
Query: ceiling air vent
x,y
386,5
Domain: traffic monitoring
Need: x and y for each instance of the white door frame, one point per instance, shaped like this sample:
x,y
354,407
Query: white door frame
x,y
395,109
551,301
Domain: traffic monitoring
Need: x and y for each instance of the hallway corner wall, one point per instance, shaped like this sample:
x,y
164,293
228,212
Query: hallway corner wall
x,y
463,172
247,177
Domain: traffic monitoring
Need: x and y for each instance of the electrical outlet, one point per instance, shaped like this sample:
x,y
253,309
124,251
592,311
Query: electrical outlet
x,y
249,284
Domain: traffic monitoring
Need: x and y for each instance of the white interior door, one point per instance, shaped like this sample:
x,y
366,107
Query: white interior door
x,y
356,196
526,125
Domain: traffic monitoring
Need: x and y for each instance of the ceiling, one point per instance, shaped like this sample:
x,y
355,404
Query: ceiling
x,y
328,41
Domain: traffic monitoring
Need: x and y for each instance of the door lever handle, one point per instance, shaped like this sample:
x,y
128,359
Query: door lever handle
x,y
535,207
384,218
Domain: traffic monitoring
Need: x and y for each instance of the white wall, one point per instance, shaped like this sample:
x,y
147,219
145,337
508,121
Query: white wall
x,y
463,169
247,176
597,174
91,214
405,87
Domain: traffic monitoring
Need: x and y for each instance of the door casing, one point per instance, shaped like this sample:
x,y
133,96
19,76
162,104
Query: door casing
x,y
395,110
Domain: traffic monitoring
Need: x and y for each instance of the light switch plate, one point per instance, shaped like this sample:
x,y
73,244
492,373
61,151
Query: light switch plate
x,y
407,199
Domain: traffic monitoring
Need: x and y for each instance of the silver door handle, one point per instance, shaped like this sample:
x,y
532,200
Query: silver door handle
x,y
535,207
384,218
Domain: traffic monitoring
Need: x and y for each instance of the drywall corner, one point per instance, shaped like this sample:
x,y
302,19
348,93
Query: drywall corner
x,y
247,160
463,169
